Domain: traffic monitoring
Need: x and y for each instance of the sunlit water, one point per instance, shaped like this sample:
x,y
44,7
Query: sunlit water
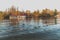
x,y
35,29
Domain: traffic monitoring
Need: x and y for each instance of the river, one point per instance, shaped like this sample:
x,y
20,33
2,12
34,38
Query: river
x,y
31,29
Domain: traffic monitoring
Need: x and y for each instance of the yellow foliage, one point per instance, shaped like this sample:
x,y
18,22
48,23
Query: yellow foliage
x,y
1,16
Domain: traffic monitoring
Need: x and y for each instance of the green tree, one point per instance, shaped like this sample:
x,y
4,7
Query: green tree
x,y
55,13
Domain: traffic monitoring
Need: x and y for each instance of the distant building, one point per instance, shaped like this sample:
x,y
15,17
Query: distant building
x,y
21,16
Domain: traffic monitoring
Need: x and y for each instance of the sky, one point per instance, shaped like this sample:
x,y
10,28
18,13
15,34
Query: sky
x,y
30,4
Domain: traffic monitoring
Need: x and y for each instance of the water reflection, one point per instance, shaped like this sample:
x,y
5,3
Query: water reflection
x,y
49,21
27,25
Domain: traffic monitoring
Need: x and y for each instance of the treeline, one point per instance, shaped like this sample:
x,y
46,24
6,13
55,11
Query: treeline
x,y
13,12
